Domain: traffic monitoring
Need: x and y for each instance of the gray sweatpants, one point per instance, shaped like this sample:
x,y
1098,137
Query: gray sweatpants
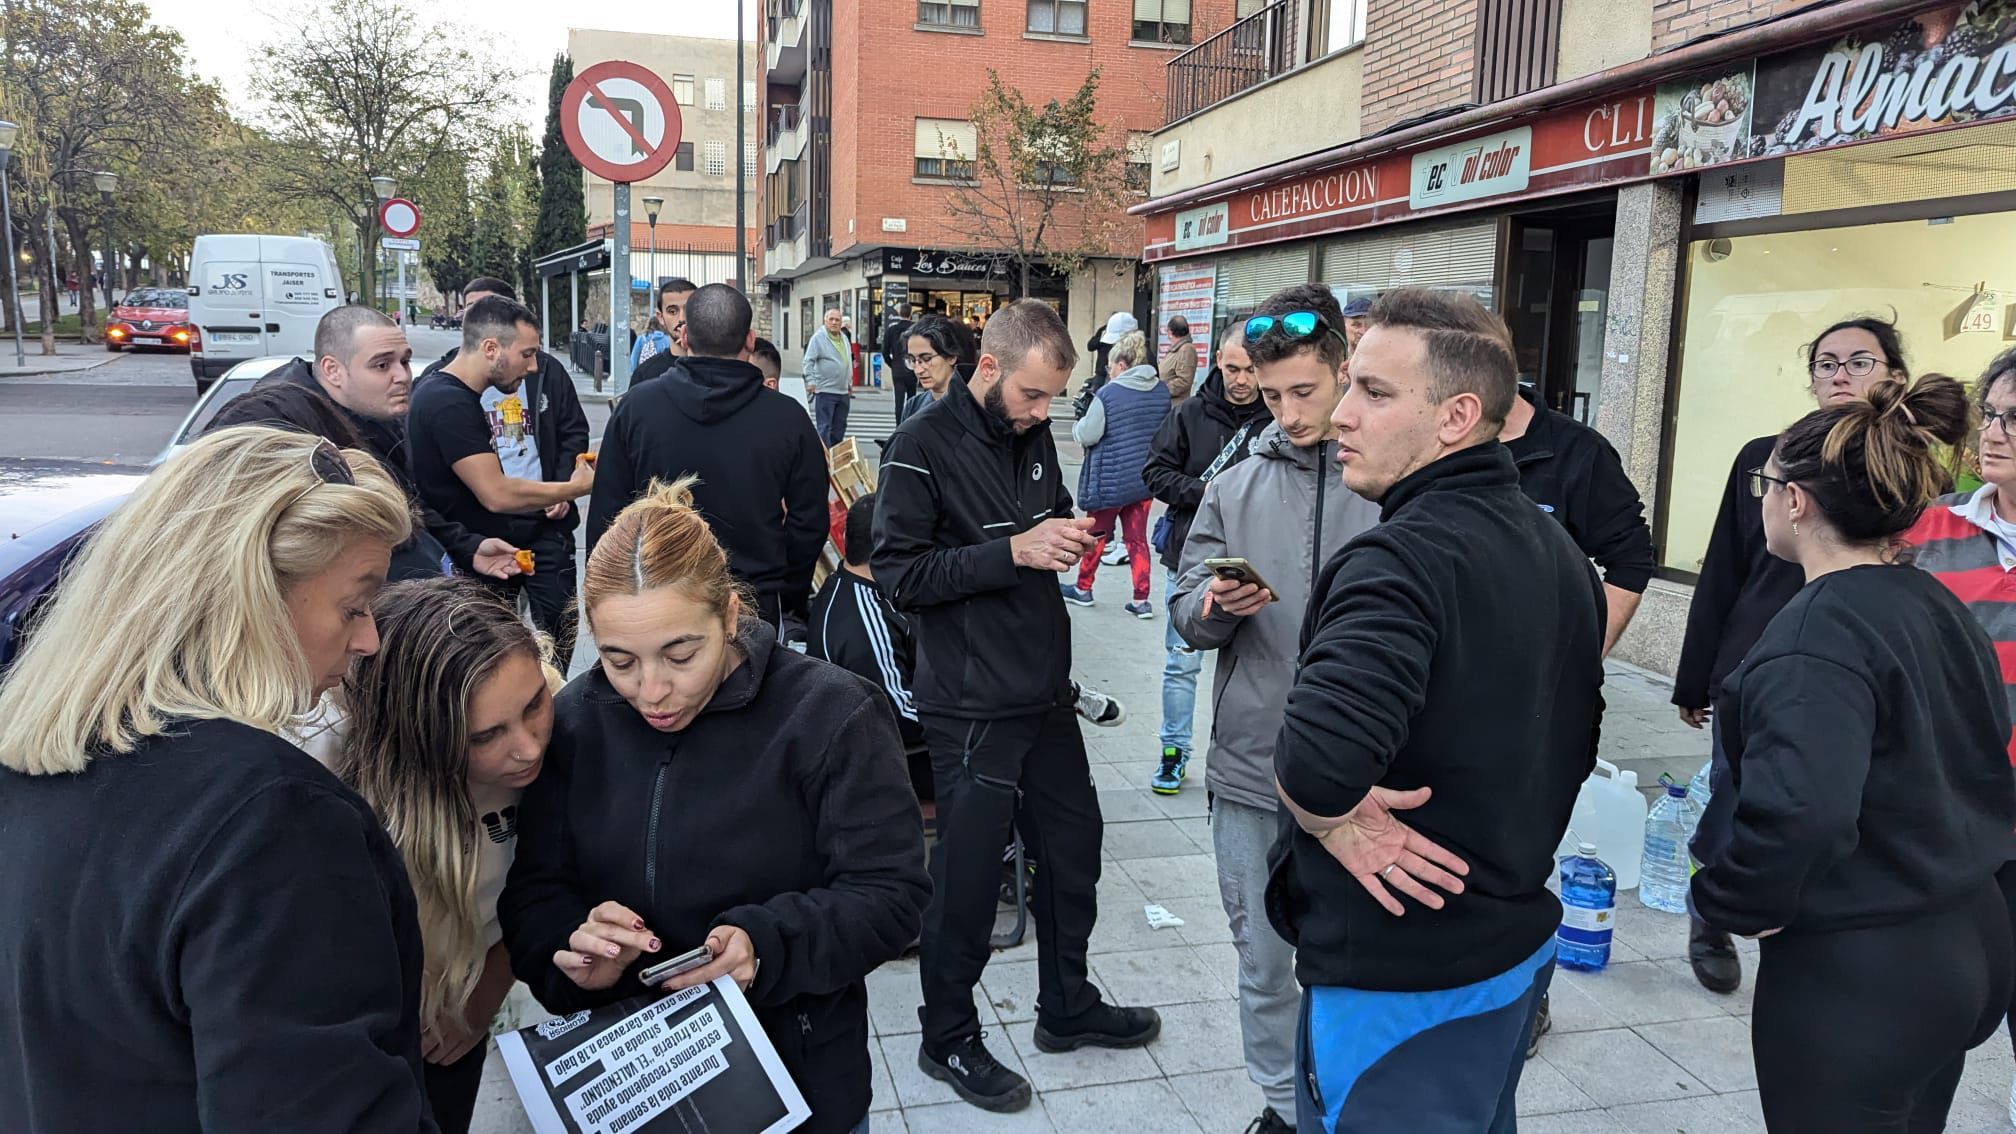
x,y
1269,1000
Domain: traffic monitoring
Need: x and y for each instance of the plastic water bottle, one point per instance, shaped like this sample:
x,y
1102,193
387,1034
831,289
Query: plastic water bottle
x,y
1697,792
1588,911
1662,881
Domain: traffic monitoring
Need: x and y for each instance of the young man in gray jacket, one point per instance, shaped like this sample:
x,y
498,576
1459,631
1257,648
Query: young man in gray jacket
x,y
1282,511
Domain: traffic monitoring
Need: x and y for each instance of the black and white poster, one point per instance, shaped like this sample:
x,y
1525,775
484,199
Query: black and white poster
x,y
691,1060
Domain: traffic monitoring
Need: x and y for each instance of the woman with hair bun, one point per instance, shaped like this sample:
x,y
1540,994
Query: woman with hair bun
x,y
707,787
1872,801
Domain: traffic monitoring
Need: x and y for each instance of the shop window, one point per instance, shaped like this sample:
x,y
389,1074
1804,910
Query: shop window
x,y
944,149
682,89
1752,304
715,157
717,95
1162,21
949,13
682,158
1057,17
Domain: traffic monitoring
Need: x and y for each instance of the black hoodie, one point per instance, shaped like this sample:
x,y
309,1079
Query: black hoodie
x,y
762,470
784,810
1188,442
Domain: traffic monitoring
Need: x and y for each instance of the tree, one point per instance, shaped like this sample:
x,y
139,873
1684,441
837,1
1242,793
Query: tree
x,y
563,211
448,242
363,88
1044,186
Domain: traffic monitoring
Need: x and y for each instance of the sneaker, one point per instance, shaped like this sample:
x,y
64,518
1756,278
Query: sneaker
x,y
1115,554
1543,1022
1104,1026
1713,957
1169,777
975,1075
1073,594
1097,707
1269,1123
1142,609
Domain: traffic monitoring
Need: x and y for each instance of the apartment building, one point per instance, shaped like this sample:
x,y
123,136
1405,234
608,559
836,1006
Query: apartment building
x,y
1663,198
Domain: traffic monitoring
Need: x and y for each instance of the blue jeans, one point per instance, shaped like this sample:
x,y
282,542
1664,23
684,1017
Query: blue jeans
x,y
829,417
1179,677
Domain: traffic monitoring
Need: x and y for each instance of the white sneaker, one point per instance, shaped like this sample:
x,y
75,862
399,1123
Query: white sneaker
x,y
1115,554
1097,707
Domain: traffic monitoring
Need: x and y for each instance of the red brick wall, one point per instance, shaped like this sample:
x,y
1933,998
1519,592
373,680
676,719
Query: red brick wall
x,y
887,74
1419,55
1674,22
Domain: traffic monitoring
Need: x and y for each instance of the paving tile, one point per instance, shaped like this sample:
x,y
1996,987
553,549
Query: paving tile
x,y
1616,1067
1070,1070
1153,977
1572,1010
1652,934
960,1118
1711,1114
1126,1106
1198,830
1645,992
1574,1122
1223,961
893,998
887,1122
1192,803
914,1088
1174,876
1741,1002
1545,1090
1011,990
1220,1101
1199,1037
1157,838
1203,920
1717,1052
1128,805
882,1094
1111,777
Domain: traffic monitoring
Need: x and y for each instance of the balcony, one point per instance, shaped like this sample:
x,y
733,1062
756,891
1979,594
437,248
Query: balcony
x,y
785,246
1243,56
785,139
785,53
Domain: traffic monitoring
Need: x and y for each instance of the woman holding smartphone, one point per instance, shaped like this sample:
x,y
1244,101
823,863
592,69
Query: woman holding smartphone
x,y
445,727
706,787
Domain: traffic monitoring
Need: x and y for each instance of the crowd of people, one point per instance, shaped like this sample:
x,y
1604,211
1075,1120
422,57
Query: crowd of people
x,y
276,863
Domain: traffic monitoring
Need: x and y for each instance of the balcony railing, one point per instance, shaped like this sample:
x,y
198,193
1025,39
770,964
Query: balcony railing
x,y
782,120
1248,53
782,10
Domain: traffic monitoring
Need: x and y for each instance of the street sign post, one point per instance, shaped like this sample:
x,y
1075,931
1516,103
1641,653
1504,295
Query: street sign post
x,y
621,123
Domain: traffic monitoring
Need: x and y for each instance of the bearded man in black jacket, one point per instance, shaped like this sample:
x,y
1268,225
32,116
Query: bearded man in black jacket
x,y
1452,670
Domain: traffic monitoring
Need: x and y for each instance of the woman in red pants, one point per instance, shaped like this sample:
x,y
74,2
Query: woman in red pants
x,y
1116,431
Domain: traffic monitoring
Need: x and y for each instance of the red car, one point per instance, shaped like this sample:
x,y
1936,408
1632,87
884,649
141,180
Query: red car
x,y
150,317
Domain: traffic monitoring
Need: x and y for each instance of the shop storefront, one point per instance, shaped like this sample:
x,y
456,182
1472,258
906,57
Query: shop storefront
x,y
961,286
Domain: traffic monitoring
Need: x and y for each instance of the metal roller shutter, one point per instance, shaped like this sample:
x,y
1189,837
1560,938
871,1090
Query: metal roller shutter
x,y
1460,257
1243,281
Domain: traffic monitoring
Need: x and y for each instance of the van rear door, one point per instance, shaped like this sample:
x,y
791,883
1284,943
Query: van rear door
x,y
294,303
229,306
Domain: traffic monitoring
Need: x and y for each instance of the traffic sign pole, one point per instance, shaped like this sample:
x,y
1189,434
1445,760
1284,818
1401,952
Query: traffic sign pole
x,y
619,293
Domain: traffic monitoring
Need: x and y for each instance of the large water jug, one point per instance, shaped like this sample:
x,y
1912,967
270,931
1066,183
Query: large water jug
x,y
1610,812
1588,911
1666,866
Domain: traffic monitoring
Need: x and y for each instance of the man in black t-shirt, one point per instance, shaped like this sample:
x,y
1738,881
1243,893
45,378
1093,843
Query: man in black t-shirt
x,y
459,450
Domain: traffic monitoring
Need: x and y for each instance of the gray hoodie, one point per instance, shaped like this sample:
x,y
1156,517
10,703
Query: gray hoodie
x,y
1263,509
1089,429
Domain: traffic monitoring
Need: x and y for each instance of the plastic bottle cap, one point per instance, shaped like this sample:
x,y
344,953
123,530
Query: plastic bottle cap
x,y
1586,850
1677,791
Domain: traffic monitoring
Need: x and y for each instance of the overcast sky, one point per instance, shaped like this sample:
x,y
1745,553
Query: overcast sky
x,y
222,34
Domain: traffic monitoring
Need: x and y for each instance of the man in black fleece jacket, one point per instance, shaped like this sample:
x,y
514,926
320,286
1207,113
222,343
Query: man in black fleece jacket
x,y
1451,669
762,470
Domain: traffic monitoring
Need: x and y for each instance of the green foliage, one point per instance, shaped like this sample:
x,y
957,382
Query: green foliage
x,y
563,211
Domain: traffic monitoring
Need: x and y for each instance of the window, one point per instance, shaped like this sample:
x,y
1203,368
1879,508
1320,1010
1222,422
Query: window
x,y
1335,25
682,89
1517,41
715,158
748,153
1055,168
1139,148
1057,17
1162,21
805,323
682,158
748,96
717,95
945,149
949,13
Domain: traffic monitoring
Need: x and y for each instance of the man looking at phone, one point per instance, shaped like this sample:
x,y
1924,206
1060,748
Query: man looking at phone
x,y
1451,672
972,522
1278,512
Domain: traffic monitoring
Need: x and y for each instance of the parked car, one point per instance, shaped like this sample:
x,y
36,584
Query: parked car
x,y
47,508
149,317
232,383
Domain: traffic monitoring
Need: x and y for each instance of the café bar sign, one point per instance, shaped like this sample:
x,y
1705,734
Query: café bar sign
x,y
937,263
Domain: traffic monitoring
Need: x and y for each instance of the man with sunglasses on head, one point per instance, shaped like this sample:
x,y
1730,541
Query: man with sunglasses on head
x,y
1279,511
1443,718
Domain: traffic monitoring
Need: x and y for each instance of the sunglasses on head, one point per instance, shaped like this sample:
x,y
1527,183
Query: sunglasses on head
x,y
1295,324
326,461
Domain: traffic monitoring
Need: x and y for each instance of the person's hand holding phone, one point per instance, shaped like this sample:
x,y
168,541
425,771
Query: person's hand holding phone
x,y
734,957
604,946
1053,545
1237,598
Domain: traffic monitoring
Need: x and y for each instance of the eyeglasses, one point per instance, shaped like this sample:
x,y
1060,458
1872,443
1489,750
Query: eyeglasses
x,y
2005,419
925,359
1297,325
1759,479
1860,366
326,461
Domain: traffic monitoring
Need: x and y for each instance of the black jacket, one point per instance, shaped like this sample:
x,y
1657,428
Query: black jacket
x,y
762,470
553,407
1573,473
210,933
292,398
993,639
1741,588
1189,440
854,627
653,367
896,351
1867,735
1458,646
783,809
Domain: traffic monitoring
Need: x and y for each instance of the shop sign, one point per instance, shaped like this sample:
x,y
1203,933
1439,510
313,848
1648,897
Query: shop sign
x,y
1207,227
1946,67
1189,291
932,262
1981,314
1491,166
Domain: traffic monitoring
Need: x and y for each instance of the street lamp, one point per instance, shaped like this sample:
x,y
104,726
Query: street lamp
x,y
382,187
651,207
108,184
8,131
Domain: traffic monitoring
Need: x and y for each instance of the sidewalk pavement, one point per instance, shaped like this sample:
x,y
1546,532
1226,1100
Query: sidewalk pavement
x,y
1639,1047
69,358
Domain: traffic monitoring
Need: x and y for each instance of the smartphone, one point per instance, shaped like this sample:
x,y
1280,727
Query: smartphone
x,y
1238,570
683,963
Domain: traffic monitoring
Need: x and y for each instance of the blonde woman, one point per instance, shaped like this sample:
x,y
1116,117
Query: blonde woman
x,y
201,929
446,725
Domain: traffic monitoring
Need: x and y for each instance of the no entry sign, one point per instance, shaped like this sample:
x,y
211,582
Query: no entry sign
x,y
620,121
399,217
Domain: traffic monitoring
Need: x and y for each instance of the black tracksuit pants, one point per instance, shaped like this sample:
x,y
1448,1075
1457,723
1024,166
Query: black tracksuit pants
x,y
549,591
1019,773
1861,1031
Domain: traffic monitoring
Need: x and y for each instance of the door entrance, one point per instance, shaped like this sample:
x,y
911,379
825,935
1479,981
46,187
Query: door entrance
x,y
1557,302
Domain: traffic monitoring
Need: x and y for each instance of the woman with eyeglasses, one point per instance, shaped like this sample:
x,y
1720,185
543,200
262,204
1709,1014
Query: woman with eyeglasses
x,y
1967,540
938,348
1742,585
201,929
1870,800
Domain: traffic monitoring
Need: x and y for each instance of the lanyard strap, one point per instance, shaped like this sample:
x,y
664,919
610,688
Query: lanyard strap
x,y
1225,454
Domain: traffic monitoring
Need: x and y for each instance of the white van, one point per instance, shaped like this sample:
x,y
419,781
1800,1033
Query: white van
x,y
251,296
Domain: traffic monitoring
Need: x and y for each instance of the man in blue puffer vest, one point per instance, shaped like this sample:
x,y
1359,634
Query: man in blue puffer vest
x,y
1117,430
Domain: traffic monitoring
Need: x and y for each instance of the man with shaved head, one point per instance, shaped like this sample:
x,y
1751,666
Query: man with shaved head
x,y
362,378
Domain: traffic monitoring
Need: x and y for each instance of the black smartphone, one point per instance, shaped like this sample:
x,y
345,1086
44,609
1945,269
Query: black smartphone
x,y
683,963
1238,570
